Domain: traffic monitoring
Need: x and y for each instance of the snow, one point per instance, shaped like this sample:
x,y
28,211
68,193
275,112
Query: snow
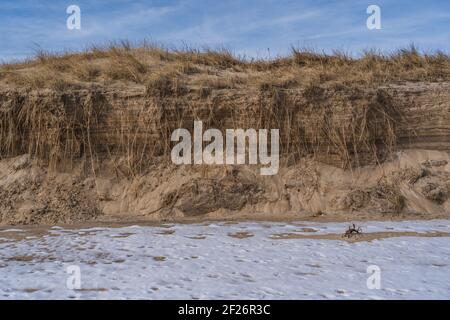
x,y
201,261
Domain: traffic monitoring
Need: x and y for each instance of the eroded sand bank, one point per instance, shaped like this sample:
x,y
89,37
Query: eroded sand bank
x,y
414,184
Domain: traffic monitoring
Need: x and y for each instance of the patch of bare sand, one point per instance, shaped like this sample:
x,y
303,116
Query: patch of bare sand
x,y
358,237
241,235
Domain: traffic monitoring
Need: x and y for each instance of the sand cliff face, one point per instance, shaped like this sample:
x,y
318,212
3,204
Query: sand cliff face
x,y
341,127
79,155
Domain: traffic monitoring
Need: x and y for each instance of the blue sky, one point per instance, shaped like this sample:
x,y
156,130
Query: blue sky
x,y
255,28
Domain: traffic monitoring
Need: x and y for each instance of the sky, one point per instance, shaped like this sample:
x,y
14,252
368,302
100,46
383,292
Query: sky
x,y
250,28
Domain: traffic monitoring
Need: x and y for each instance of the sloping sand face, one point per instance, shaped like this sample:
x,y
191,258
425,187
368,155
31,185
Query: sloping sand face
x,y
411,259
414,184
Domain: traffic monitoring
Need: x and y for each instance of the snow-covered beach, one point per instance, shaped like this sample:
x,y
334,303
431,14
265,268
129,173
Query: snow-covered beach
x,y
223,260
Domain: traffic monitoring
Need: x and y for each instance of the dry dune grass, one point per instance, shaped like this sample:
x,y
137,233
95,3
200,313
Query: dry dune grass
x,y
121,62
